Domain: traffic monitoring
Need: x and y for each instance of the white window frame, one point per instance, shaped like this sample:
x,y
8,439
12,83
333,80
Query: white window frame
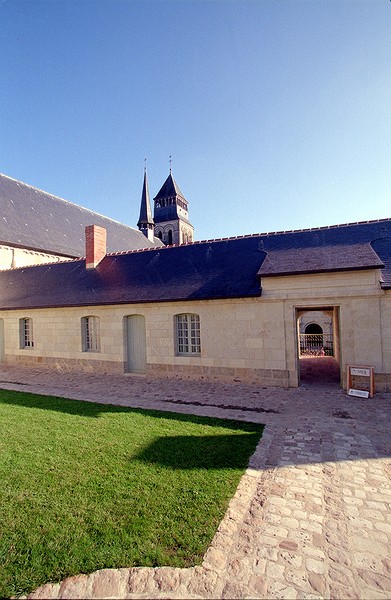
x,y
90,333
26,336
187,335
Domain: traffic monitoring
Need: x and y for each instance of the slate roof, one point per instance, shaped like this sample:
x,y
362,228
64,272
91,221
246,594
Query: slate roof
x,y
227,268
169,188
33,219
320,260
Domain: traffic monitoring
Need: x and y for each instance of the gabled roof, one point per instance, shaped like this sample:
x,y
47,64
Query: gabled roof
x,y
228,268
33,219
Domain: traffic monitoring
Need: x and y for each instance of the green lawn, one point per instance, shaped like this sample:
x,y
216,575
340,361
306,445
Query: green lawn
x,y
86,486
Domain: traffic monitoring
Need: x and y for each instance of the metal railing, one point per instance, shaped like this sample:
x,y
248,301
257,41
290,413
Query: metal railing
x,y
316,344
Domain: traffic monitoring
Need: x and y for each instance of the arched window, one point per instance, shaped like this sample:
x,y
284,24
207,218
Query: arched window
x,y
26,333
90,336
160,235
187,334
169,237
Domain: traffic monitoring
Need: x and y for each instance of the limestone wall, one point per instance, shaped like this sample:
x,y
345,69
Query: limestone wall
x,y
12,258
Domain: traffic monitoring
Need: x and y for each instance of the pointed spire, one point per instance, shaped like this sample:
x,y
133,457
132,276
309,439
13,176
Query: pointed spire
x,y
145,222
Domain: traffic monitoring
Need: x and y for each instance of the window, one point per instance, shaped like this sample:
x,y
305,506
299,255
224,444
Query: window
x,y
26,333
188,339
90,334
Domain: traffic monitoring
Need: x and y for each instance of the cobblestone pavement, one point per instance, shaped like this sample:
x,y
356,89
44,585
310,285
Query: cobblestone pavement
x,y
311,517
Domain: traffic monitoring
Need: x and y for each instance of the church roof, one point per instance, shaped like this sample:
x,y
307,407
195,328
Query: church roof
x,y
228,268
33,219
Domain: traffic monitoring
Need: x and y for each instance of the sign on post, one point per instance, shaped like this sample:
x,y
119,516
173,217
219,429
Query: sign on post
x,y
356,371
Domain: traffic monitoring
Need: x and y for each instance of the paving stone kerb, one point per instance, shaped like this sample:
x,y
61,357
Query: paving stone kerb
x,y
311,517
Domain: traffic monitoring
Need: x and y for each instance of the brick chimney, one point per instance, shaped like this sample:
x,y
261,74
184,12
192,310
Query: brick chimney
x,y
95,245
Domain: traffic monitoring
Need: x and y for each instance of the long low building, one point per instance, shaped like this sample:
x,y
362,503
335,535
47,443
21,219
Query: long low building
x,y
218,309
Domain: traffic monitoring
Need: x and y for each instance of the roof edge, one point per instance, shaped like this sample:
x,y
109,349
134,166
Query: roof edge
x,y
315,271
123,302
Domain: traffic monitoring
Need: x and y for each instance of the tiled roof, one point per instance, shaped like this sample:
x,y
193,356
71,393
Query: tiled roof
x,y
227,268
33,219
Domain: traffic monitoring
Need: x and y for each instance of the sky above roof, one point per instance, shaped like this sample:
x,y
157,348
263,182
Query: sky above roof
x,y
276,114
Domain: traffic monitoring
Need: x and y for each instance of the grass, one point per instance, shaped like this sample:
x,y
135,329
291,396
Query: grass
x,y
85,486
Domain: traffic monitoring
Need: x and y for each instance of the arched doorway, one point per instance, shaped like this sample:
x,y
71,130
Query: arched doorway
x,y
313,329
312,341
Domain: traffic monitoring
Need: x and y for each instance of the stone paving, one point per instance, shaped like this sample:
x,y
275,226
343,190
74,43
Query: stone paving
x,y
311,517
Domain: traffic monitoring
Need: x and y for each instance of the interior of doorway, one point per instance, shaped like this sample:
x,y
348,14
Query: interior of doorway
x,y
318,346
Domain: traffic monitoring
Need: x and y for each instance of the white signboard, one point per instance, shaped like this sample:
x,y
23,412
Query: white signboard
x,y
358,393
359,371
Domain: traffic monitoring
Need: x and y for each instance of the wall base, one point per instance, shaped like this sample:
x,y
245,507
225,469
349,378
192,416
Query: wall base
x,y
262,377
67,364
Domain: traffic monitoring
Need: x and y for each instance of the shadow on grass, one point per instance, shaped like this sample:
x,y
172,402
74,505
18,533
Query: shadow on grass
x,y
93,410
201,452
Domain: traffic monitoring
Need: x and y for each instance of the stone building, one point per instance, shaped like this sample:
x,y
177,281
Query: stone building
x,y
220,310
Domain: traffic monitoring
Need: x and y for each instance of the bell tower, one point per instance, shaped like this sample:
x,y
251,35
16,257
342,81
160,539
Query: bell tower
x,y
171,217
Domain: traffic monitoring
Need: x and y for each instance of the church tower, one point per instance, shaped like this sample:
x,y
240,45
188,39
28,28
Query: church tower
x,y
145,222
171,218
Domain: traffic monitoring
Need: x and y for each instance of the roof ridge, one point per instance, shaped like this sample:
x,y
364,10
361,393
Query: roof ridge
x,y
36,189
249,235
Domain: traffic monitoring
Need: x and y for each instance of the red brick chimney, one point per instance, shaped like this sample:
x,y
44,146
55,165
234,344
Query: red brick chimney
x,y
95,245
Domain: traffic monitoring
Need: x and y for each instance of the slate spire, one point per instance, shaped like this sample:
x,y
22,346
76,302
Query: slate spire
x,y
145,222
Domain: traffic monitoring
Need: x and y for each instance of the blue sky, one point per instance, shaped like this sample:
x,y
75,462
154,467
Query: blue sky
x,y
277,113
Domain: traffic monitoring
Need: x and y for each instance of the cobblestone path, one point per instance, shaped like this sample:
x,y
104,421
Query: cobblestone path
x,y
311,517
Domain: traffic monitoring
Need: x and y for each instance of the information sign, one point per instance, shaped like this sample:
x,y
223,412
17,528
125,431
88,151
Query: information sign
x,y
360,371
358,393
